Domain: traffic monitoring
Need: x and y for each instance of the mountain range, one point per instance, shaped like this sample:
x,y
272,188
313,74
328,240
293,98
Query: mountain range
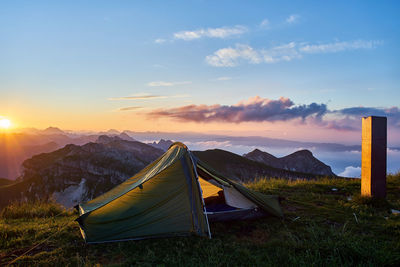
x,y
17,147
78,173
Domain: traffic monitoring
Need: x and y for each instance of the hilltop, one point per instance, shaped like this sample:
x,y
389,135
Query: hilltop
x,y
322,227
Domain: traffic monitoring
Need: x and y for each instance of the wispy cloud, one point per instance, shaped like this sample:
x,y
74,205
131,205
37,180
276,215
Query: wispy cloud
x,y
292,18
129,108
340,46
167,84
233,56
137,97
264,24
221,33
146,97
160,41
286,52
254,109
223,78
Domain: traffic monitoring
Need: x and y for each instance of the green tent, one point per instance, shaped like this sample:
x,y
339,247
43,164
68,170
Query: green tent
x,y
176,195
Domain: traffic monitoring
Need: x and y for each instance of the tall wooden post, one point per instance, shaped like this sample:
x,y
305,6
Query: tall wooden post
x,y
373,156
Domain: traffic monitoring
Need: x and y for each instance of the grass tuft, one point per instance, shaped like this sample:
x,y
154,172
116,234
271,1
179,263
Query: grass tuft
x,y
19,210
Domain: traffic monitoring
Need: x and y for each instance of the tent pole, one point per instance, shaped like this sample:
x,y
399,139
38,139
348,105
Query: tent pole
x,y
201,192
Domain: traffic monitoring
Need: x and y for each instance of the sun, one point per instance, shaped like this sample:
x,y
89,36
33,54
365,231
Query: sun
x,y
5,123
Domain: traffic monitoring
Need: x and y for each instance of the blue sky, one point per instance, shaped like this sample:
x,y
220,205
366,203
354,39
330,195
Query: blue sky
x,y
77,63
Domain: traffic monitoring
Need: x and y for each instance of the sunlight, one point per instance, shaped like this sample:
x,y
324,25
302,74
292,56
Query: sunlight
x,y
5,123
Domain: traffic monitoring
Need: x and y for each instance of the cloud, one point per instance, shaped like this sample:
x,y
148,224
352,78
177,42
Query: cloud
x,y
285,52
128,108
137,97
229,57
258,109
254,109
265,24
233,56
340,46
349,119
221,33
355,113
167,84
160,41
203,145
224,78
145,97
292,19
351,171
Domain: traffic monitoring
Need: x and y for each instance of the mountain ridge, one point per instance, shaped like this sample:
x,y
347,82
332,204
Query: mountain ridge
x,y
299,161
78,173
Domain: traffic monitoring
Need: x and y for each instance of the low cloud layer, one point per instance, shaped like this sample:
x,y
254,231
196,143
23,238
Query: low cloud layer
x,y
233,56
351,171
254,109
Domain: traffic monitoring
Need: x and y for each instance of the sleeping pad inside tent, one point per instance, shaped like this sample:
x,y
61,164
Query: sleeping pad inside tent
x,y
176,195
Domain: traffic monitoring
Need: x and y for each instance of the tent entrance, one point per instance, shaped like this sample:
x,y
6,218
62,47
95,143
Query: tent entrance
x,y
226,203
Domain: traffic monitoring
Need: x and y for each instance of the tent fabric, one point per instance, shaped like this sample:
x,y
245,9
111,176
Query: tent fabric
x,y
165,199
269,203
208,188
148,172
235,199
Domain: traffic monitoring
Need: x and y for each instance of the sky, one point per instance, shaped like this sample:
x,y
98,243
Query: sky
x,y
303,70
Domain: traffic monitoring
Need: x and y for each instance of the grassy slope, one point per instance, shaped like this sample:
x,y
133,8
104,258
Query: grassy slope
x,y
320,228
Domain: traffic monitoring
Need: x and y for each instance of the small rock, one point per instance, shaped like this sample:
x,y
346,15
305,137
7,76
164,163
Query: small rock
x,y
334,189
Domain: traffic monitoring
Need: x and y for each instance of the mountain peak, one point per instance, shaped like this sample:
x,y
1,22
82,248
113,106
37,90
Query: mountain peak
x,y
299,161
126,137
257,153
304,152
52,130
162,144
112,131
105,139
